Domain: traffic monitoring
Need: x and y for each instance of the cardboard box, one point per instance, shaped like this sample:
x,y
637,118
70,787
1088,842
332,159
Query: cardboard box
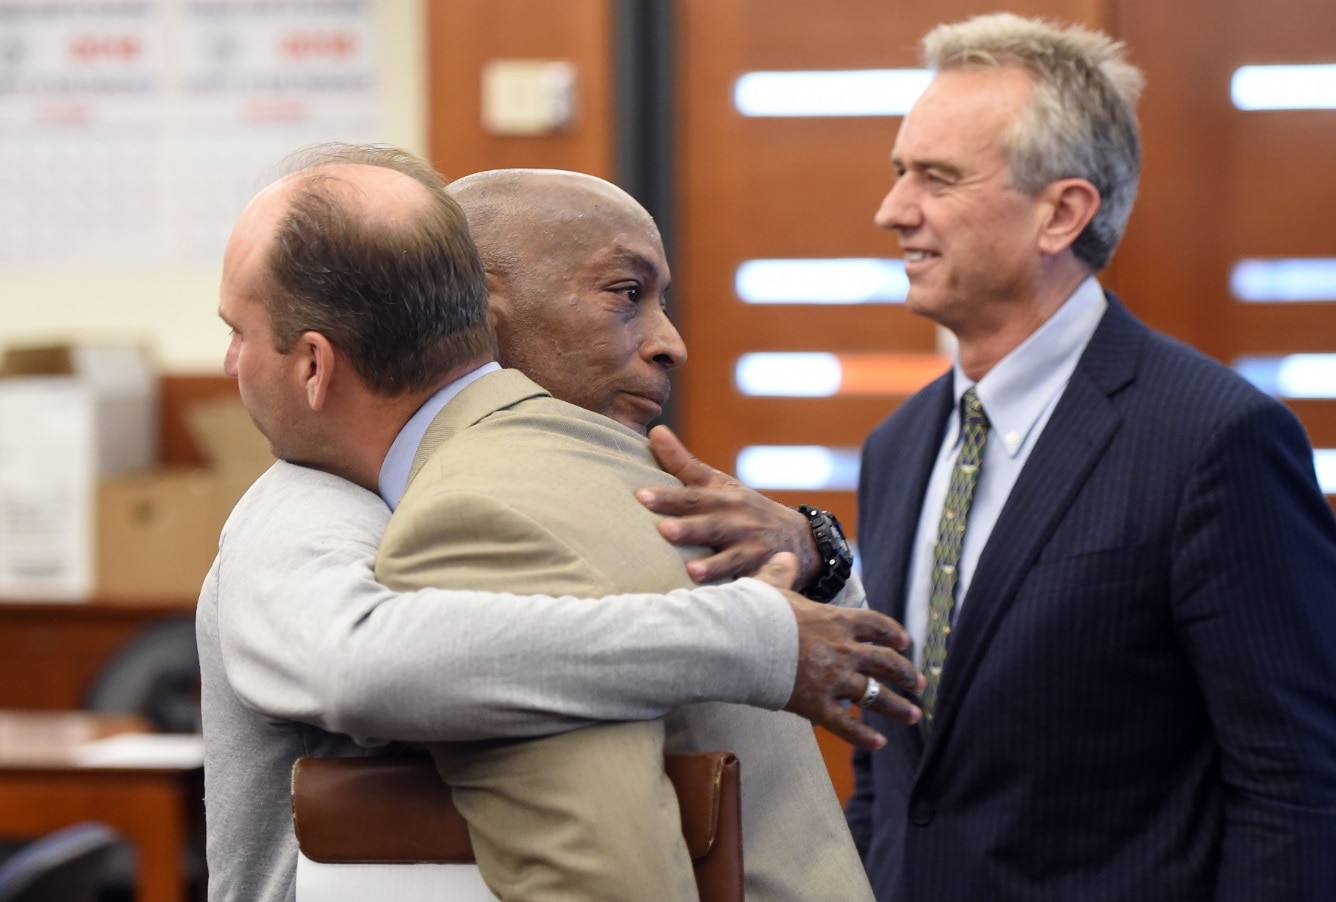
x,y
47,479
157,533
85,511
68,417
120,385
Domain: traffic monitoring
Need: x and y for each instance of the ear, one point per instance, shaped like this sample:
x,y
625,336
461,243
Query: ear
x,y
498,302
314,357
1068,205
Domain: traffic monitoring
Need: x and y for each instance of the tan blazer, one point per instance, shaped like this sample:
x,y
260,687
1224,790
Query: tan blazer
x,y
515,491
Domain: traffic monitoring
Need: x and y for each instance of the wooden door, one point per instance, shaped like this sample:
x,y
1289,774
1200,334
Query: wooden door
x,y
1222,185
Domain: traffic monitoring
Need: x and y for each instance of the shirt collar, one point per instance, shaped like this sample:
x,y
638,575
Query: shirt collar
x,y
1021,386
398,462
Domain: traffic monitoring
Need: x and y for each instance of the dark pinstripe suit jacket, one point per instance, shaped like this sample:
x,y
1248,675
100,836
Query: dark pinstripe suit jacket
x,y
1140,697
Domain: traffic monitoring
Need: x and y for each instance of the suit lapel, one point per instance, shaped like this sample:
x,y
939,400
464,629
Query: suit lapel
x,y
915,462
493,392
896,475
1072,443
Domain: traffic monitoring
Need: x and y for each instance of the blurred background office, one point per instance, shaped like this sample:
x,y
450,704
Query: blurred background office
x,y
132,132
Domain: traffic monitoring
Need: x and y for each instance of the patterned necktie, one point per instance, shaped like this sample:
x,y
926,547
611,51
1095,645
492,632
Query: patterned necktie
x,y
946,554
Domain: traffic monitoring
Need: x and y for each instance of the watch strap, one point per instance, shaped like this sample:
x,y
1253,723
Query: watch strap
x,y
836,558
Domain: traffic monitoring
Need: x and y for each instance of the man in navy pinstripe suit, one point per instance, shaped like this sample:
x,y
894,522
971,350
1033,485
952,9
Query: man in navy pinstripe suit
x,y
1138,697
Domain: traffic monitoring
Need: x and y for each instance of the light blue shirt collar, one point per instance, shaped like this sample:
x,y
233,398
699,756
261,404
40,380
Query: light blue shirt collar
x,y
1016,392
1019,395
399,461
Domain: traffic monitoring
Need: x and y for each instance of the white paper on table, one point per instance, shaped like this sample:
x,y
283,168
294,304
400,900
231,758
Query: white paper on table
x,y
172,750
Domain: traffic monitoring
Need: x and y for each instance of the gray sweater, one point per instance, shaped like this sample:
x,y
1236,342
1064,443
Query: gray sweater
x,y
303,653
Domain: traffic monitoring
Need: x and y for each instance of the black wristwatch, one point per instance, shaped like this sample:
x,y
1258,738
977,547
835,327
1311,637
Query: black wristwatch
x,y
836,557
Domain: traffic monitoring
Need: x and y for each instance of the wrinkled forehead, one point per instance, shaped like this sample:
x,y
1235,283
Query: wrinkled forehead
x,y
965,107
597,230
575,199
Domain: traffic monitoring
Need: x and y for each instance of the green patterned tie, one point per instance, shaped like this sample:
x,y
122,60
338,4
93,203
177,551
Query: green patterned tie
x,y
946,554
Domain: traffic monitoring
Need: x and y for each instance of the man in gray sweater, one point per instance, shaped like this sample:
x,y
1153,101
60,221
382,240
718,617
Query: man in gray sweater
x,y
304,654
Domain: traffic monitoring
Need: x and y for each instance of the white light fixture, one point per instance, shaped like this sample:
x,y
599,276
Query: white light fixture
x,y
851,92
1324,461
835,280
1292,376
1284,280
1306,87
798,467
788,375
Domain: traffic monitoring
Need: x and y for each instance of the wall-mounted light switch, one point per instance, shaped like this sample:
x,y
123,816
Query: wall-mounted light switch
x,y
528,97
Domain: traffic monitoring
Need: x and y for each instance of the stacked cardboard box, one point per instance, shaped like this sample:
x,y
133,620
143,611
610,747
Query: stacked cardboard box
x,y
85,510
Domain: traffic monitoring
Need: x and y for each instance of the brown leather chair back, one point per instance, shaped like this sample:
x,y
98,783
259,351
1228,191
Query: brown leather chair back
x,y
396,810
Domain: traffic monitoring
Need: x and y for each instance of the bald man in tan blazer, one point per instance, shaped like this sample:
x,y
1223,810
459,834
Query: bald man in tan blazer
x,y
513,490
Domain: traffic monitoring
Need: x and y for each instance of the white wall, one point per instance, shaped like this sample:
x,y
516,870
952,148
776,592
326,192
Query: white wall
x,y
174,310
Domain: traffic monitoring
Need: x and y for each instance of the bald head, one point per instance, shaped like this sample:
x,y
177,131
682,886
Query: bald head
x,y
577,275
363,245
522,215
374,195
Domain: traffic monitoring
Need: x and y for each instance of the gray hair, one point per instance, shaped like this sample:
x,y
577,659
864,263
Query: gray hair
x,y
1080,121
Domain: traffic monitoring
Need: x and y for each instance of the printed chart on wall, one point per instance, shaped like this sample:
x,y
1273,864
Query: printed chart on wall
x,y
132,132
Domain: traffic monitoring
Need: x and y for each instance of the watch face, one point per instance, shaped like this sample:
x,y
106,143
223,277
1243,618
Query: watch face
x,y
829,535
840,542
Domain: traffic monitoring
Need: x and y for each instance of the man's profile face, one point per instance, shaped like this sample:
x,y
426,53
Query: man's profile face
x,y
589,324
268,381
969,238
